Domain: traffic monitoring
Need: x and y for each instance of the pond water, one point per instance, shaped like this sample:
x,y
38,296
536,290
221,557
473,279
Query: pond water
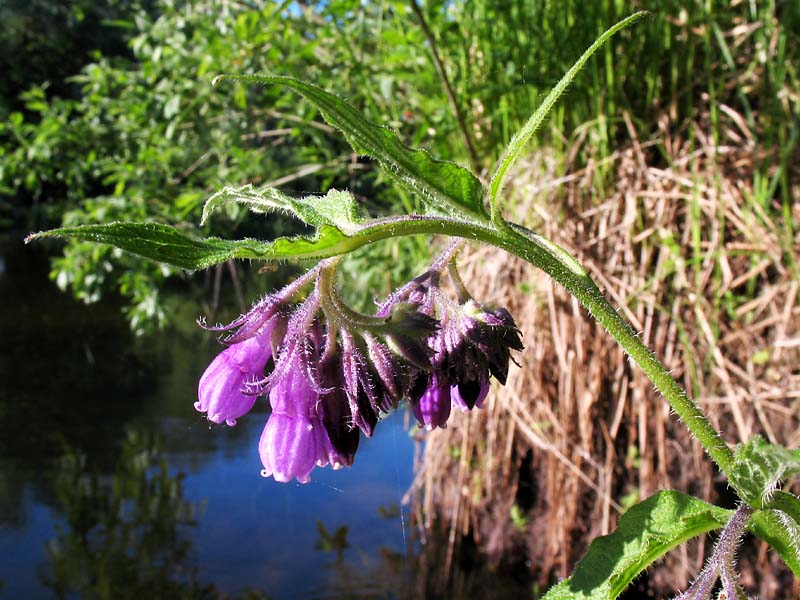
x,y
111,484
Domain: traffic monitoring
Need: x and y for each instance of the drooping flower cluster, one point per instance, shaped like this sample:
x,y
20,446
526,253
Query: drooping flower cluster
x,y
331,373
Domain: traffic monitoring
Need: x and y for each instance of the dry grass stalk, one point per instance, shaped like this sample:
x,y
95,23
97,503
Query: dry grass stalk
x,y
692,259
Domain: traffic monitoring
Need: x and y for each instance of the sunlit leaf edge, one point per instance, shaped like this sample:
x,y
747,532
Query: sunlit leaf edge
x,y
336,207
596,579
759,467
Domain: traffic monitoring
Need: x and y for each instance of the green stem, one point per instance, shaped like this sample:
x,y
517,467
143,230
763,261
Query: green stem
x,y
455,277
337,309
569,274
437,63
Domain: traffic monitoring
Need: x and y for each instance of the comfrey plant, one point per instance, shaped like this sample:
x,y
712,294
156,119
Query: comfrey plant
x,y
330,372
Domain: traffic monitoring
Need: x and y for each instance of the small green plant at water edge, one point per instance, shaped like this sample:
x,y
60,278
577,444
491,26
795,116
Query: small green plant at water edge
x,y
334,372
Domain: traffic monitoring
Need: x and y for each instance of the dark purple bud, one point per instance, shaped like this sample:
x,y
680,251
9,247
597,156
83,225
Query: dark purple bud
x,y
387,366
495,336
337,418
470,393
407,319
415,351
359,386
364,415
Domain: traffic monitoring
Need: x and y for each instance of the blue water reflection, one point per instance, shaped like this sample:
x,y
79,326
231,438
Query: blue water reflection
x,y
105,465
260,533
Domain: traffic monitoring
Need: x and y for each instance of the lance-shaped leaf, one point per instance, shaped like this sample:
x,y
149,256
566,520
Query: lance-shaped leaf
x,y
169,245
759,467
336,208
443,186
515,147
166,244
644,533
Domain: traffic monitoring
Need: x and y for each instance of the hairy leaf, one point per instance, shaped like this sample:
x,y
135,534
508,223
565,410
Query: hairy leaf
x,y
336,208
166,244
644,533
785,502
443,186
781,532
759,467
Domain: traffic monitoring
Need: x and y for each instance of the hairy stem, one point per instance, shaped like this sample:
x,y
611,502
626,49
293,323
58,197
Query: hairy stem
x,y
568,273
337,309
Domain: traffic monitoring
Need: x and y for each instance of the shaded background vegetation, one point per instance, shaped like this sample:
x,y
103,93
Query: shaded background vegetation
x,y
111,116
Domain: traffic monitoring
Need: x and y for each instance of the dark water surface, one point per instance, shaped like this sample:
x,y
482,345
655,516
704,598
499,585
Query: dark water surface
x,y
111,484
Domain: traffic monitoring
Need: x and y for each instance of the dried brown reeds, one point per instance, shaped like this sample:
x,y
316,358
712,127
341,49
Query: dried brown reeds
x,y
702,267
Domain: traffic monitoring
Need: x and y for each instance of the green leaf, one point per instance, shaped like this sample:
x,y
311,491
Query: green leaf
x,y
785,502
518,142
166,244
336,208
644,533
759,467
781,532
443,186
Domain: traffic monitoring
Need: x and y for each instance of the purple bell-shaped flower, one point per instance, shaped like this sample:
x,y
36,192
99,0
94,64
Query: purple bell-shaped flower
x,y
222,392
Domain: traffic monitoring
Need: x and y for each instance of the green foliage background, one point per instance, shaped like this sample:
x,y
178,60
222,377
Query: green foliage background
x,y
108,112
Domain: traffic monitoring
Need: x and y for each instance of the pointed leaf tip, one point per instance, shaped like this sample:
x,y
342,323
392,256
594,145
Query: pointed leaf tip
x,y
166,244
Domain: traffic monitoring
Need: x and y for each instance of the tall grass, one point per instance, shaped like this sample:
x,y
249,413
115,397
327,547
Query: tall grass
x,y
504,55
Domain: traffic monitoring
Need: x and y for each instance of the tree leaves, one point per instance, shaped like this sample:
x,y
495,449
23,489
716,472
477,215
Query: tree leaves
x,y
443,186
644,533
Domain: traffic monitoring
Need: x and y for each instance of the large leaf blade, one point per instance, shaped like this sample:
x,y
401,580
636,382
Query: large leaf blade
x,y
644,533
166,244
444,186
